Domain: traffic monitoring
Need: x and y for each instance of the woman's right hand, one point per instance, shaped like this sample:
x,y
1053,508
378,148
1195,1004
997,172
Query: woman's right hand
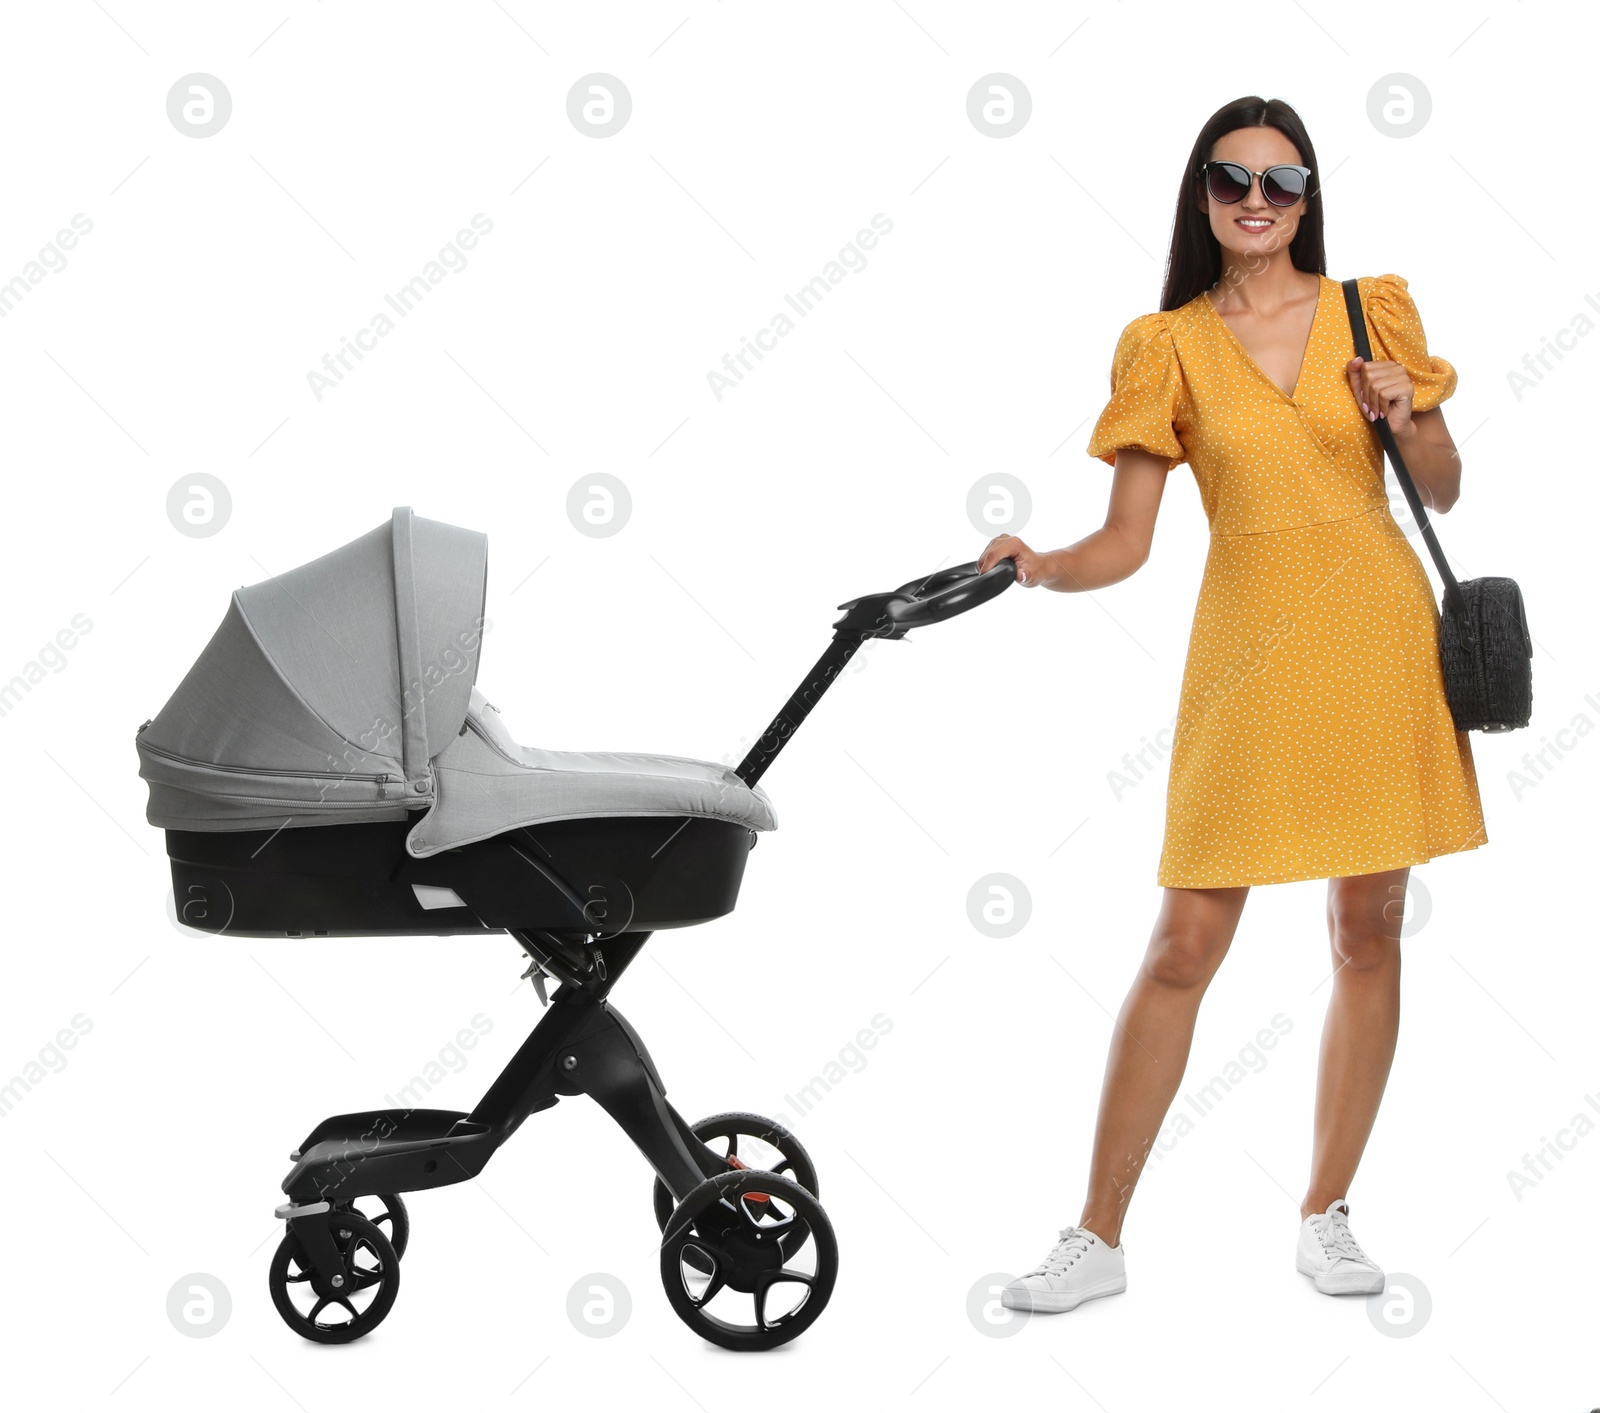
x,y
1030,566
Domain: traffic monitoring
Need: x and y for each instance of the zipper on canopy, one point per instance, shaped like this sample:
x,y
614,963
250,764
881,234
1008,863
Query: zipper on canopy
x,y
381,780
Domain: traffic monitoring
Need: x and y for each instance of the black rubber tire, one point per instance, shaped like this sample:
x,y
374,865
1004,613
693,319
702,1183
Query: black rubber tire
x,y
799,1166
393,1212
682,1232
289,1267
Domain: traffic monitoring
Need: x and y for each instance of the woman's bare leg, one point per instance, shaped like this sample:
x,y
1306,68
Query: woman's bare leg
x,y
1150,1044
1359,1032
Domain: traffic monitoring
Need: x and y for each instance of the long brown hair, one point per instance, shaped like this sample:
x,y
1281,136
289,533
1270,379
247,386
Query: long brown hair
x,y
1194,261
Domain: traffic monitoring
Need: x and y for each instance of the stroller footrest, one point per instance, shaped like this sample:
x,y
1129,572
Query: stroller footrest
x,y
383,1125
388,1150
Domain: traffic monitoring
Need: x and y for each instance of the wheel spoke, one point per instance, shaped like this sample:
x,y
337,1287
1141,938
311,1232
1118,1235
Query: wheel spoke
x,y
755,1207
328,1300
714,1283
363,1276
792,1240
715,1254
767,1279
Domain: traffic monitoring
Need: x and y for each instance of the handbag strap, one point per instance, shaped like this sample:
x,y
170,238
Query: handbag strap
x,y
1358,331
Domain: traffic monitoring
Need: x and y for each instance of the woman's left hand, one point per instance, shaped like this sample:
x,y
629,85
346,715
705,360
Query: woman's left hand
x,y
1383,389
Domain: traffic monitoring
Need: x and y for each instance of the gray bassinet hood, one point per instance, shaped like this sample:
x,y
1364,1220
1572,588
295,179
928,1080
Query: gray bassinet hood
x,y
343,691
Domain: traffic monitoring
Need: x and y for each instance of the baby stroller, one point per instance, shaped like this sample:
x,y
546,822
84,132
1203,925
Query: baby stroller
x,y
328,768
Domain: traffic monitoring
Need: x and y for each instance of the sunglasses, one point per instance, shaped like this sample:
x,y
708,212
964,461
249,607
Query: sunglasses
x,y
1229,182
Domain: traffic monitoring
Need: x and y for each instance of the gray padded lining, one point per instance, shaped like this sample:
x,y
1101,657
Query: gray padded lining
x,y
485,783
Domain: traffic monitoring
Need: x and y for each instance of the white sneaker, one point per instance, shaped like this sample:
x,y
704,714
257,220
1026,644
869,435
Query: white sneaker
x,y
1330,1254
1080,1267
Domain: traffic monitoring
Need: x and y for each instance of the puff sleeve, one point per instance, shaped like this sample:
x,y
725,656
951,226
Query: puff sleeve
x,y
1145,385
1396,331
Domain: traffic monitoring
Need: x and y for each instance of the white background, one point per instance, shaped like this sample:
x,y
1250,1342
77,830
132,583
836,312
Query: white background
x,y
177,340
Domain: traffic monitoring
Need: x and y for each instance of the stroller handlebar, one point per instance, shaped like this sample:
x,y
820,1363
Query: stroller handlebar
x,y
932,599
892,615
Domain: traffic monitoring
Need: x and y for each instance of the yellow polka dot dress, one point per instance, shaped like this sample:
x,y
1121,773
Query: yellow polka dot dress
x,y
1313,736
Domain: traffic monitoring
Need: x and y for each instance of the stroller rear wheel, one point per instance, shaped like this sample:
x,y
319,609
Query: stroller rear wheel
x,y
747,1141
386,1211
735,1245
355,1301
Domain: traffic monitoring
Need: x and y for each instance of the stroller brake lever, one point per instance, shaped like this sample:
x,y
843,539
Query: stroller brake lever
x,y
547,961
535,974
536,969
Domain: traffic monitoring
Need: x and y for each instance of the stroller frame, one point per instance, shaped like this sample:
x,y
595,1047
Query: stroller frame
x,y
581,1045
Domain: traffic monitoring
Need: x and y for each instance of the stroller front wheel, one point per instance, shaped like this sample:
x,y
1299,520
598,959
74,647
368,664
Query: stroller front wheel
x,y
738,1246
351,1304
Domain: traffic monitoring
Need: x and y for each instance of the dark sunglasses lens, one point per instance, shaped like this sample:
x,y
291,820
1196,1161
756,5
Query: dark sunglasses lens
x,y
1282,186
1227,182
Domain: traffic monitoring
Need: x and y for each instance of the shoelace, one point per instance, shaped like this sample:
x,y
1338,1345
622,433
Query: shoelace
x,y
1333,1231
1075,1241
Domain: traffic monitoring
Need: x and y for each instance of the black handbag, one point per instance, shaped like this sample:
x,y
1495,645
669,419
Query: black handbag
x,y
1485,649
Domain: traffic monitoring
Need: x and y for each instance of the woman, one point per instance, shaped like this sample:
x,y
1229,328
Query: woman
x,y
1313,737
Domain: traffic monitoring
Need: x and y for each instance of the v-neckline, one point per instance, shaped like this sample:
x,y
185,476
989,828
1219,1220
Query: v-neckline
x,y
1305,353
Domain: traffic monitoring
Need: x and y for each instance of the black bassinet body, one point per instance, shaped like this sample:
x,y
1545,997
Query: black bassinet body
x,y
602,875
328,767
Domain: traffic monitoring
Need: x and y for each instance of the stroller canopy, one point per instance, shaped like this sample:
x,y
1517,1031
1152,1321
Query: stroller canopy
x,y
342,691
